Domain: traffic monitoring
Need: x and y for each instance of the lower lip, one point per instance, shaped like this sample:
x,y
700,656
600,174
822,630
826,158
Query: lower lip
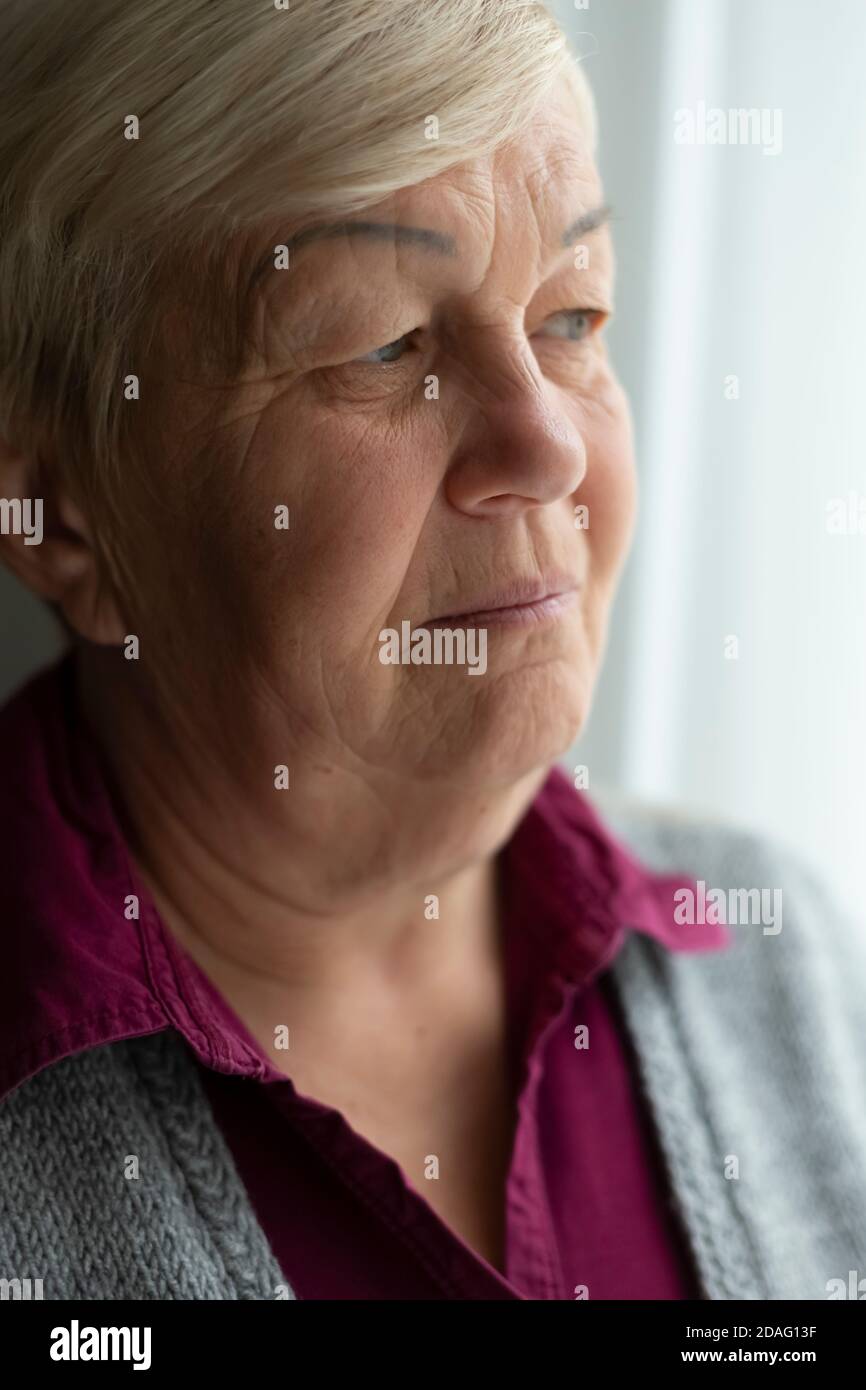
x,y
543,610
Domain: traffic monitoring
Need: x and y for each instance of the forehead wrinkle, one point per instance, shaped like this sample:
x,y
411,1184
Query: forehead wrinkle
x,y
441,243
391,233
481,201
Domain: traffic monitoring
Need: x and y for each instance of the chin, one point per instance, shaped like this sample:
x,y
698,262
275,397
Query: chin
x,y
517,725
535,732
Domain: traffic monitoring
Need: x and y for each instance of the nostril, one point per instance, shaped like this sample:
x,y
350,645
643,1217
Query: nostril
x,y
505,504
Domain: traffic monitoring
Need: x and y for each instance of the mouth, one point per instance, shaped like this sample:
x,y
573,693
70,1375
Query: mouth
x,y
515,605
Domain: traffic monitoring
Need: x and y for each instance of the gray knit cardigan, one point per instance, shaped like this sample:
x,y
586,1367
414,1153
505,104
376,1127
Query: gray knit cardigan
x,y
753,1061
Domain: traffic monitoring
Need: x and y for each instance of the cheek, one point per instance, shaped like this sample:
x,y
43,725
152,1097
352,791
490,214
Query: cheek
x,y
358,490
610,486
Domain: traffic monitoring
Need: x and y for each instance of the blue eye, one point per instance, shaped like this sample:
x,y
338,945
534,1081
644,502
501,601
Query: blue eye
x,y
573,324
389,353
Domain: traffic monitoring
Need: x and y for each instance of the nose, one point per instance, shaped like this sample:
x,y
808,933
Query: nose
x,y
519,446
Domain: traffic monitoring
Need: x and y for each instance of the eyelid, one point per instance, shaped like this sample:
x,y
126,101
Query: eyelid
x,y
591,311
380,347
404,340
598,318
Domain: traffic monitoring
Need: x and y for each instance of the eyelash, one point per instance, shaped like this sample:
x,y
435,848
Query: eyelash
x,y
596,318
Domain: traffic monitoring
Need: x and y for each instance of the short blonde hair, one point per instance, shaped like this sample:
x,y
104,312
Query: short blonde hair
x,y
248,113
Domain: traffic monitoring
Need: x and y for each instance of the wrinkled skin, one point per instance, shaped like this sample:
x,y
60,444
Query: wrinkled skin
x,y
259,646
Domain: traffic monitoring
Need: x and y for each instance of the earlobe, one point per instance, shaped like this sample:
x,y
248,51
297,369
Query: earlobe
x,y
46,541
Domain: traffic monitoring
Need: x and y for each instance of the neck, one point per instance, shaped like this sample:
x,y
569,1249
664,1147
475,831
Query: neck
x,y
400,907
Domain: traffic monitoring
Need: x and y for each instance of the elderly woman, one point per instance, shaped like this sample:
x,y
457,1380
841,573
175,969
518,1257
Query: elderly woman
x,y
321,980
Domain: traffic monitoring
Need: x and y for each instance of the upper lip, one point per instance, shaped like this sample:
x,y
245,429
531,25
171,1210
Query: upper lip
x,y
512,594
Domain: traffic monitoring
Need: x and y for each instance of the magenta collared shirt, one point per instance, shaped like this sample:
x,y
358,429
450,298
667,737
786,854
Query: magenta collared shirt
x,y
587,1200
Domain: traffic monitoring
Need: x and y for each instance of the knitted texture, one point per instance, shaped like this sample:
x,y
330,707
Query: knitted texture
x,y
755,1054
182,1229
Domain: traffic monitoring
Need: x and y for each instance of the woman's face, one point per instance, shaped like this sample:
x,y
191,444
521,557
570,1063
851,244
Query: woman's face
x,y
431,407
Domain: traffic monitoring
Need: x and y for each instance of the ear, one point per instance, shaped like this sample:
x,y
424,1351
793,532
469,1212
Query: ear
x,y
46,540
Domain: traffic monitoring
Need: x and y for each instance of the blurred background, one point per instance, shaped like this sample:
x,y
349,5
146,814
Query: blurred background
x,y
740,335
735,681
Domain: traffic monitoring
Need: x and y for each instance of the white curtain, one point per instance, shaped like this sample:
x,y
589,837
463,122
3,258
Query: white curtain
x,y
741,337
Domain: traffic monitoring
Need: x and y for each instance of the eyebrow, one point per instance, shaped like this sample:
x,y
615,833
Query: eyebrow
x,y
586,223
440,243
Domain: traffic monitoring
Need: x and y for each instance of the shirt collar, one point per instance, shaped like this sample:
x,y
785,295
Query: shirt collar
x,y
585,890
86,967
